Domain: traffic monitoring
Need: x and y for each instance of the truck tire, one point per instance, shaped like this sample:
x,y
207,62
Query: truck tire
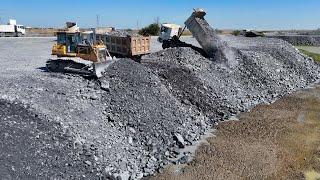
x,y
166,44
19,34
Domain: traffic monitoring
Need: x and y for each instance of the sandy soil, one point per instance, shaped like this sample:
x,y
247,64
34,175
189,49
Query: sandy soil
x,y
277,141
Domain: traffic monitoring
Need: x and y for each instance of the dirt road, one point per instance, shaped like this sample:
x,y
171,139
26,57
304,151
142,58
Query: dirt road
x,y
277,141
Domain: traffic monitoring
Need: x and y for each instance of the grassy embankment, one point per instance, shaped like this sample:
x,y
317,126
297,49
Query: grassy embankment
x,y
313,55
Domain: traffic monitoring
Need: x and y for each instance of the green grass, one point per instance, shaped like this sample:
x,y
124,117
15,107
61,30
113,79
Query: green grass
x,y
314,56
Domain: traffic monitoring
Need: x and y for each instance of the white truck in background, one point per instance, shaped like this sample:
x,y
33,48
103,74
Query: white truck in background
x,y
12,29
167,31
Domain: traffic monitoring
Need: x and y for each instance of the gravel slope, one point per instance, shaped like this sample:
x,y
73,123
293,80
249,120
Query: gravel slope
x,y
264,69
133,121
300,40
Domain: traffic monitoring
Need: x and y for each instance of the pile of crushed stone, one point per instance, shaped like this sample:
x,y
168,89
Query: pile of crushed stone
x,y
263,70
300,40
33,148
134,120
123,33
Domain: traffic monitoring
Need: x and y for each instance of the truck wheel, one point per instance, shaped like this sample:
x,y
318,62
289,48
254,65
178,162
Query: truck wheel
x,y
165,44
19,35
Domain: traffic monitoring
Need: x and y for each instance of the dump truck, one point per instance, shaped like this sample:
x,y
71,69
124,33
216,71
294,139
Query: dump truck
x,y
201,30
126,46
12,29
168,31
251,33
76,54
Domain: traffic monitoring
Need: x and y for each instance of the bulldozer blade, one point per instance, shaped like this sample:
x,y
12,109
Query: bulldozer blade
x,y
68,66
101,67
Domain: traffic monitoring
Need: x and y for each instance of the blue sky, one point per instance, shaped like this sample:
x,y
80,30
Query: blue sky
x,y
223,14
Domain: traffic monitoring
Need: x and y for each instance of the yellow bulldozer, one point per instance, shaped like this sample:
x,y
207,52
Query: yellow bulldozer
x,y
79,52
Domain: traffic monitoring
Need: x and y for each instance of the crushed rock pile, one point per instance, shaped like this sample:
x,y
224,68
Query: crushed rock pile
x,y
264,70
134,120
123,33
33,148
300,40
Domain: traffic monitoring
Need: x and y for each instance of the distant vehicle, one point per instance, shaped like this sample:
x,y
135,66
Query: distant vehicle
x,y
200,29
167,31
78,52
251,33
126,46
12,29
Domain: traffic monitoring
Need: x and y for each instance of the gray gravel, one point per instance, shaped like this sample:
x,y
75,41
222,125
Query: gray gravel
x,y
34,148
122,33
300,40
265,69
133,121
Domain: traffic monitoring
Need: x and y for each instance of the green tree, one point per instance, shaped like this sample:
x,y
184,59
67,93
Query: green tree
x,y
151,30
236,32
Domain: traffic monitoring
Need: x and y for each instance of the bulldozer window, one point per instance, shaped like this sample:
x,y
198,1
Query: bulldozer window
x,y
83,50
165,29
61,38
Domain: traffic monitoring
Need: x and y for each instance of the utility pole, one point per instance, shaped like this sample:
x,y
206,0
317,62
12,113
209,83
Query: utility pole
x,y
98,21
1,13
157,20
137,24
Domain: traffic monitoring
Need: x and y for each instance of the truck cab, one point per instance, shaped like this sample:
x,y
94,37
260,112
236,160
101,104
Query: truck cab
x,y
167,31
12,29
21,30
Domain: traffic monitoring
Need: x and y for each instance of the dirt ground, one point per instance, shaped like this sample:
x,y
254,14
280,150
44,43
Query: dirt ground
x,y
277,141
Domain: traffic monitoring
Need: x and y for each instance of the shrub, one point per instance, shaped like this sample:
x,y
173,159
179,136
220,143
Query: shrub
x,y
151,30
218,31
236,32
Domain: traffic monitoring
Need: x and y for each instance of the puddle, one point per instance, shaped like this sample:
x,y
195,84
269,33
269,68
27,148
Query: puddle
x,y
301,117
192,149
233,118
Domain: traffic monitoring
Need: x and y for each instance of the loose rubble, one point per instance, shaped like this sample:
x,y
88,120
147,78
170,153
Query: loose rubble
x,y
134,120
300,40
123,33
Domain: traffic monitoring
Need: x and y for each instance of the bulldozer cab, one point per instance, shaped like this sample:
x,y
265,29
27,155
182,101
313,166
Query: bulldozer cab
x,y
70,40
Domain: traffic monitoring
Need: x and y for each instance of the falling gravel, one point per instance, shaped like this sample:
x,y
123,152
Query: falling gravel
x,y
210,41
134,120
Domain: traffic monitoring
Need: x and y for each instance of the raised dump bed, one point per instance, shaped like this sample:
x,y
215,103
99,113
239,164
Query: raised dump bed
x,y
127,46
207,37
201,30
